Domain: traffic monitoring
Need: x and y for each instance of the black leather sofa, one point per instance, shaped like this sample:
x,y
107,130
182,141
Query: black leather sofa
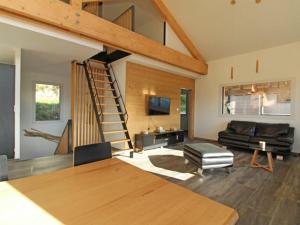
x,y
243,134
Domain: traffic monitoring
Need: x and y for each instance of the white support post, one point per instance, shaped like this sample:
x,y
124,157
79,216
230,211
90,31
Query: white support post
x,y
17,108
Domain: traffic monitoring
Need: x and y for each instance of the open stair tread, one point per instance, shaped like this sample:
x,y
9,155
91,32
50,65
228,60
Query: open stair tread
x,y
112,113
120,141
115,131
104,89
103,81
108,104
101,74
107,96
113,122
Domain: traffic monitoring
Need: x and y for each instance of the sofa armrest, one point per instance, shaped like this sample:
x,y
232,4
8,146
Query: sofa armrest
x,y
288,138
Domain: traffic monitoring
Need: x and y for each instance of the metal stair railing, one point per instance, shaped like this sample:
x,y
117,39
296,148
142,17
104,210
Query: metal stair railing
x,y
94,95
118,90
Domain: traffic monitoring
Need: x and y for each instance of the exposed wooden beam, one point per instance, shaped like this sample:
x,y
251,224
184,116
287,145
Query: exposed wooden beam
x,y
63,16
107,1
88,1
77,4
167,15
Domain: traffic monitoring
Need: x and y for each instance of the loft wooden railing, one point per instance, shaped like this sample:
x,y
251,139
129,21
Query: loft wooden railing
x,y
93,7
126,20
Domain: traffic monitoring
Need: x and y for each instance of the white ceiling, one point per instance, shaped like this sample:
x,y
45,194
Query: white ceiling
x,y
219,29
42,47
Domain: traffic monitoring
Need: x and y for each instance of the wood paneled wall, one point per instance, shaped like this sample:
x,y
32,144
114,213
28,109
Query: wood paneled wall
x,y
143,81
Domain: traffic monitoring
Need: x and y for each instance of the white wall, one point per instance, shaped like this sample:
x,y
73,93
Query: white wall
x,y
172,41
277,63
148,21
38,147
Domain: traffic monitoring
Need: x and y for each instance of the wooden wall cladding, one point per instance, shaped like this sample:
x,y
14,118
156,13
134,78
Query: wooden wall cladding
x,y
143,81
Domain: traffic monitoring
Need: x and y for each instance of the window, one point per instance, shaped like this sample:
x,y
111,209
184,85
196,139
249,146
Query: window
x,y
272,98
183,103
47,102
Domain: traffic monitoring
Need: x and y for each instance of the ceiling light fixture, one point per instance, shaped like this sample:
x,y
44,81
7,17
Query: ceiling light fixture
x,y
233,2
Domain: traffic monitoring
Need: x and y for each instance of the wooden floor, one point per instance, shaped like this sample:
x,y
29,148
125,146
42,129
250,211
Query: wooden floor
x,y
24,168
261,198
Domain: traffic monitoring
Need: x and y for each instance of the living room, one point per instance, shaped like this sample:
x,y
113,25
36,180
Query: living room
x,y
185,112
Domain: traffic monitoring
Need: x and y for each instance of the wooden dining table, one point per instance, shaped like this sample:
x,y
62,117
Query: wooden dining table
x,y
110,192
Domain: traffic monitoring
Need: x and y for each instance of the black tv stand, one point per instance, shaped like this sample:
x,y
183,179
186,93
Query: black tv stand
x,y
158,139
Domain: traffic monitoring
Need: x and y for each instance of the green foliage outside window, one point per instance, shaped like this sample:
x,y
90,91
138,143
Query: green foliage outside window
x,y
47,102
183,104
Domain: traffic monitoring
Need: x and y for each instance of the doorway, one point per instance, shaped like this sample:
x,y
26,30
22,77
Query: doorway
x,y
184,110
7,116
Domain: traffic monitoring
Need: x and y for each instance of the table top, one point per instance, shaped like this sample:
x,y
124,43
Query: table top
x,y
109,192
257,147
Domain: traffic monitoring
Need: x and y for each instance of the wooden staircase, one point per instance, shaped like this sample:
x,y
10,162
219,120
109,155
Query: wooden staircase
x,y
109,107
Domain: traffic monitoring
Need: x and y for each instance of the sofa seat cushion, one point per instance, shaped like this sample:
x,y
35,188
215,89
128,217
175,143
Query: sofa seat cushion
x,y
233,136
242,127
271,130
235,143
270,141
207,150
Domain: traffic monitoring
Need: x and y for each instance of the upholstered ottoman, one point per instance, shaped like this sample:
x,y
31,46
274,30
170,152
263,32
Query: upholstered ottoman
x,y
208,156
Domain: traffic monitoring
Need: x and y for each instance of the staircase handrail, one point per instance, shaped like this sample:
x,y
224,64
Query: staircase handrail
x,y
110,67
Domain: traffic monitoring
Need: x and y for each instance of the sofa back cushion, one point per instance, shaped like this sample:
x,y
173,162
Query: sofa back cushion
x,y
242,127
271,130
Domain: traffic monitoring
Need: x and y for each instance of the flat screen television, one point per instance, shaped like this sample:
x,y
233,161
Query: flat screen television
x,y
159,105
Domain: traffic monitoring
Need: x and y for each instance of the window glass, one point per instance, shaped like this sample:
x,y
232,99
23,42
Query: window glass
x,y
47,102
271,98
183,104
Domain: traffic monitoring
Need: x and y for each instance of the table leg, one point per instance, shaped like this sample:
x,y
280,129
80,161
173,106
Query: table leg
x,y
254,158
270,162
268,167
